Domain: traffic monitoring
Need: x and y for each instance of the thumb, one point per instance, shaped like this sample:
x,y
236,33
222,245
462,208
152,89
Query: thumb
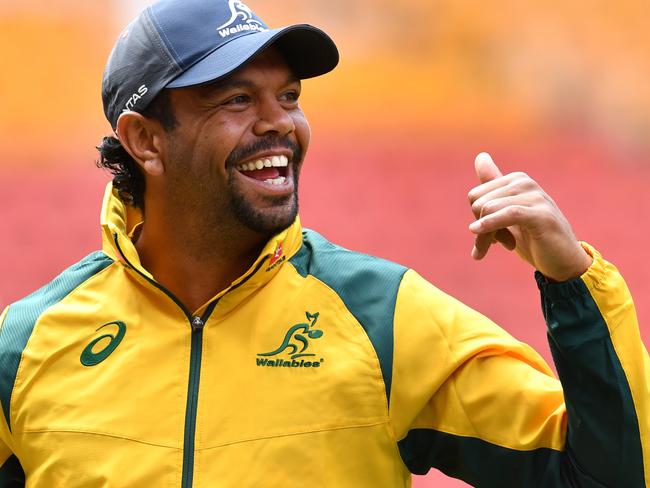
x,y
485,168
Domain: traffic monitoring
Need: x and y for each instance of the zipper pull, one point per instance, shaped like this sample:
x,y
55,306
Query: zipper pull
x,y
197,324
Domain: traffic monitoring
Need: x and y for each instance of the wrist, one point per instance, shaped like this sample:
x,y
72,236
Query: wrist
x,y
580,264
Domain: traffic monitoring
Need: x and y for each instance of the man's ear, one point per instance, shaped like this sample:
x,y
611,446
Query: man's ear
x,y
141,137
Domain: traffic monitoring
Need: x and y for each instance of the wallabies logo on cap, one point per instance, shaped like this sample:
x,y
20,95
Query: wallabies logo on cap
x,y
239,9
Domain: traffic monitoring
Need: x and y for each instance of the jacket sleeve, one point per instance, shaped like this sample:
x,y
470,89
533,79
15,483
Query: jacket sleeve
x,y
470,400
11,472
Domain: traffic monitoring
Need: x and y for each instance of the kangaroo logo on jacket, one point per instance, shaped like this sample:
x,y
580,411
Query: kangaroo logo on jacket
x,y
92,356
295,349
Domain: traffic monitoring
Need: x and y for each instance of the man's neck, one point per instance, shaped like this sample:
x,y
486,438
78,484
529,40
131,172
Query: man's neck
x,y
196,266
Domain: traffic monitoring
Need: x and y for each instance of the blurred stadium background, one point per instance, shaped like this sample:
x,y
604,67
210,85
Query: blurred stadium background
x,y
557,89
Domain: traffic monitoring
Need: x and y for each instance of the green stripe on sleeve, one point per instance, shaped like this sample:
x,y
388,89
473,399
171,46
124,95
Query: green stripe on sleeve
x,y
367,285
603,431
486,465
22,316
12,474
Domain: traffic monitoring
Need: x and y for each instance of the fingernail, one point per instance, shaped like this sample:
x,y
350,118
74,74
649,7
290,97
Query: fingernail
x,y
474,253
475,226
484,155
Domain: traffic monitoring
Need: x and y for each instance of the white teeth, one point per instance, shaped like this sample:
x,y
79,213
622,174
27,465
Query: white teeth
x,y
275,162
276,181
279,161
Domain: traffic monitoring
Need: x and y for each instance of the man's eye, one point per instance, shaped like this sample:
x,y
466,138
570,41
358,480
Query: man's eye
x,y
237,100
291,96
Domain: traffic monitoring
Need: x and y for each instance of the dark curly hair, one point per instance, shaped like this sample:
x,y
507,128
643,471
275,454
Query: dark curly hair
x,y
127,175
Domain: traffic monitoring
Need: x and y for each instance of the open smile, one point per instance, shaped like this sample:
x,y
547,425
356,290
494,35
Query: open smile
x,y
272,171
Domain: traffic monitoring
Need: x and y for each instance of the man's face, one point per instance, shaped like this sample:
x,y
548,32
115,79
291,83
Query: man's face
x,y
235,154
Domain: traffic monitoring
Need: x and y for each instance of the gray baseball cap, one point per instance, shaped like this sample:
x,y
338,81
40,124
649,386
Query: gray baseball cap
x,y
180,43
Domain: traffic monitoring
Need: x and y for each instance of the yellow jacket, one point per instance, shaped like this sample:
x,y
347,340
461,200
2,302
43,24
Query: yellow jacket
x,y
319,367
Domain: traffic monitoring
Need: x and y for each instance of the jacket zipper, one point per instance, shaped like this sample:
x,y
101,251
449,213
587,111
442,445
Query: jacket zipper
x,y
196,352
192,402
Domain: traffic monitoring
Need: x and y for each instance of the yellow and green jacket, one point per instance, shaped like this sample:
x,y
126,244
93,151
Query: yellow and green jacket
x,y
319,367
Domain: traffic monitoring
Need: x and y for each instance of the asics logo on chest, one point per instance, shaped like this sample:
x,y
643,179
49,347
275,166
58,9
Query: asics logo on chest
x,y
104,345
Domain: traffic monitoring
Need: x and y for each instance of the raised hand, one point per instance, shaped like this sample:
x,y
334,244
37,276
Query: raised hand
x,y
515,211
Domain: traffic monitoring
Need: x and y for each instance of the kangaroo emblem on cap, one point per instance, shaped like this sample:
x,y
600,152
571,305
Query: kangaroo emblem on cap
x,y
239,9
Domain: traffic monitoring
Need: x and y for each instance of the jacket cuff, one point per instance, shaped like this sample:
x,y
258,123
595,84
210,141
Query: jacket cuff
x,y
575,287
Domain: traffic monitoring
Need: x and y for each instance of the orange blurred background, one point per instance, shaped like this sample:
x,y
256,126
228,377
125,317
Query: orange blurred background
x,y
557,89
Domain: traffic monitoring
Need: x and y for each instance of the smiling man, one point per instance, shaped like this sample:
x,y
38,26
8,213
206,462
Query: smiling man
x,y
215,342
223,174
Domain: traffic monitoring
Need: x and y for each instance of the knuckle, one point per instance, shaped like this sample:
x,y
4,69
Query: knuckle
x,y
488,208
473,195
524,180
517,211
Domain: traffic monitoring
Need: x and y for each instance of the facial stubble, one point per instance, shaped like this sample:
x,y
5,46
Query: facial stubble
x,y
276,212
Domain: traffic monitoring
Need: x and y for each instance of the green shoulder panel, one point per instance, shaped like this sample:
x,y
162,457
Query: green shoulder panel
x,y
22,316
367,285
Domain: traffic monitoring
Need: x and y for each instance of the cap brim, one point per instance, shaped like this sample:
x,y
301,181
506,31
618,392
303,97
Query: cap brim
x,y
308,51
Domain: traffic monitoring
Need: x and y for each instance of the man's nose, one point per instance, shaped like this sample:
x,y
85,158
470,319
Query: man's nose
x,y
273,117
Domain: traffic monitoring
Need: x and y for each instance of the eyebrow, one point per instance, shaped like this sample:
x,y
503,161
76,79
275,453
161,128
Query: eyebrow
x,y
230,83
